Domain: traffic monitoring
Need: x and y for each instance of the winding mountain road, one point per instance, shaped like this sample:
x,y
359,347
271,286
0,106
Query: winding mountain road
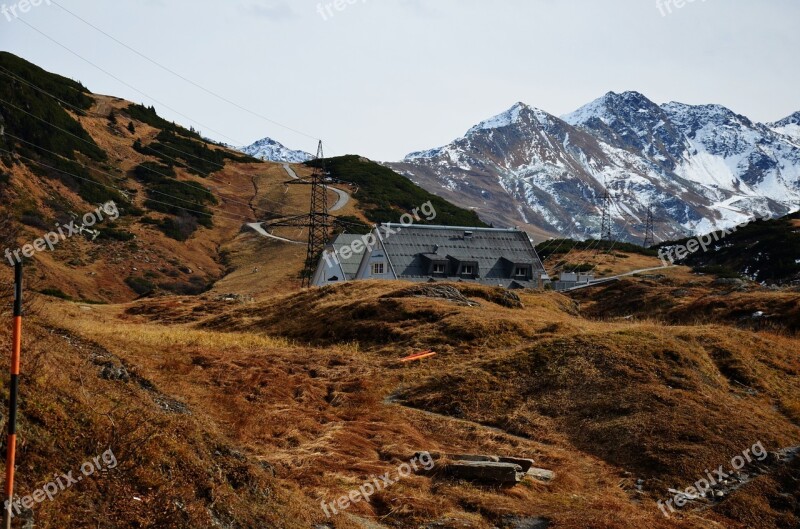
x,y
344,196
344,199
259,228
290,171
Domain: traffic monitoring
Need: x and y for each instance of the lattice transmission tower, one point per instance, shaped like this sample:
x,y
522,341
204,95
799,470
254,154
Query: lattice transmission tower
x,y
607,221
319,221
650,230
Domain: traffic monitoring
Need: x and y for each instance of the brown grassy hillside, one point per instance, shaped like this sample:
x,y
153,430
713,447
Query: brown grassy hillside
x,y
102,270
311,383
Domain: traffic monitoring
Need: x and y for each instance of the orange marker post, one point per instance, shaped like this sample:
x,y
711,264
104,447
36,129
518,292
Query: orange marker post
x,y
13,392
418,356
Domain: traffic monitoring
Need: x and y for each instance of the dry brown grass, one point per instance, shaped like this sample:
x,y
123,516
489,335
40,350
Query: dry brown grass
x,y
301,380
693,300
606,264
249,413
246,192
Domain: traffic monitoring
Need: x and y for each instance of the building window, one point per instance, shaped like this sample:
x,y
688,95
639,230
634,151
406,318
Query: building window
x,y
468,270
377,269
521,271
439,269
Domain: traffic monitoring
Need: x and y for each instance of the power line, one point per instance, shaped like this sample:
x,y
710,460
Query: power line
x,y
126,83
605,225
150,169
205,174
574,226
81,111
196,85
227,215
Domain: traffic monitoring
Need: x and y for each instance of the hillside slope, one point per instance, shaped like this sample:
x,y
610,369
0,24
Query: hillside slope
x,y
385,195
183,203
312,383
766,251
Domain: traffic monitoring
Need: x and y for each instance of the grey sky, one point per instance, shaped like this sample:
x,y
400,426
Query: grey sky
x,y
383,78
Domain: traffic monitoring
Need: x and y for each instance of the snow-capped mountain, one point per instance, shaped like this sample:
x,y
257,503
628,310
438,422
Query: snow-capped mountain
x,y
273,151
789,126
700,168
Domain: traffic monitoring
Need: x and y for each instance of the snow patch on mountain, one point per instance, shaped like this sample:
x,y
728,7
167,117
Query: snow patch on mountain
x,y
506,119
703,167
270,150
789,126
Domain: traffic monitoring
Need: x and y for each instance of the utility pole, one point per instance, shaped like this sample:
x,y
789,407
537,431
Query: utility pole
x,y
319,225
318,221
16,346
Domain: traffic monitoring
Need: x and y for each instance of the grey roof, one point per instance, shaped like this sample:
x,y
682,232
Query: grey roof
x,y
349,265
408,248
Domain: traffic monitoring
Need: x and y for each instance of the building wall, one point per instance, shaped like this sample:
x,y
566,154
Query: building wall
x,y
326,271
373,256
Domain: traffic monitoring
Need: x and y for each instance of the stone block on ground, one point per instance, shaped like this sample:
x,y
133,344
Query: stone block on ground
x,y
541,474
526,464
486,472
474,457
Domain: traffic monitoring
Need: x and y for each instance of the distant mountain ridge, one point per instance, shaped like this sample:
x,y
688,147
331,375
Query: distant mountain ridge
x,y
790,126
270,150
701,167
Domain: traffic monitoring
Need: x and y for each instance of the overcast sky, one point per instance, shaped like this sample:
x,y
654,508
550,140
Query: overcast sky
x,y
383,78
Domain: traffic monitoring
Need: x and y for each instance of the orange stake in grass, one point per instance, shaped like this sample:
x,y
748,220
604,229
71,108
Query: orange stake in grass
x,y
418,356
13,392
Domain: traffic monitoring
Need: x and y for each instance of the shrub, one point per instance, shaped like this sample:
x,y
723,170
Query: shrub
x,y
386,195
140,285
55,293
195,156
34,219
196,285
113,234
150,172
91,187
160,192
583,267
766,251
150,116
180,228
717,270
38,118
564,246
